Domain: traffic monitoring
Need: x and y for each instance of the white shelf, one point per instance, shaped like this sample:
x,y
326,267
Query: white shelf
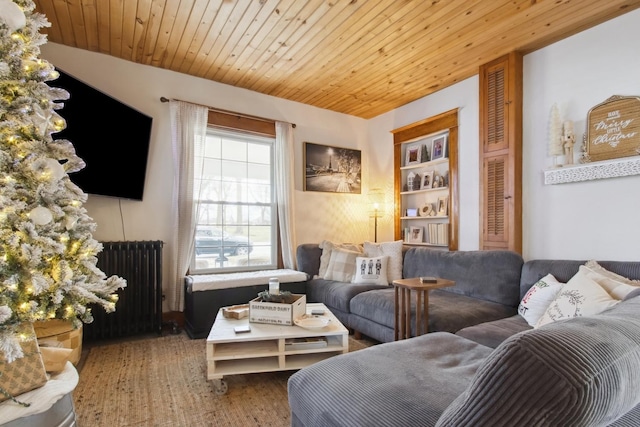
x,y
425,217
424,164
426,190
589,171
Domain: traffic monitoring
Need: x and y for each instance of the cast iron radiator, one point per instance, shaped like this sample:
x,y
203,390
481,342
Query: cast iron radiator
x,y
139,306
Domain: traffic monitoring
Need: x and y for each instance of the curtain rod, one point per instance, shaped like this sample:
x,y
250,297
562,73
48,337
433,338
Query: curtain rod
x,y
164,99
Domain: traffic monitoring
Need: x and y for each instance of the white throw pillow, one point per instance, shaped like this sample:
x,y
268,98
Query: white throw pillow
x,y
327,247
537,299
580,296
371,270
617,286
391,249
342,265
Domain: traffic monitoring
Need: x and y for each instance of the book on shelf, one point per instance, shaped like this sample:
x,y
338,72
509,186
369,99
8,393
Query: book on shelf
x,y
305,343
438,234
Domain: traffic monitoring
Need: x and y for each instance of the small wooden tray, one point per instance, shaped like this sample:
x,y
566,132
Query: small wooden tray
x,y
236,311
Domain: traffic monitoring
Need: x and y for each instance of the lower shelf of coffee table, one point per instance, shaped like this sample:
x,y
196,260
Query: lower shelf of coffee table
x,y
268,355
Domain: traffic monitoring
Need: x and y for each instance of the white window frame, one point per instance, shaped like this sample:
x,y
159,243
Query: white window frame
x,y
273,253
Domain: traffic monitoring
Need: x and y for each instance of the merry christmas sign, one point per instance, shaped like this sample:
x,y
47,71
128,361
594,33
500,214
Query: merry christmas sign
x,y
613,129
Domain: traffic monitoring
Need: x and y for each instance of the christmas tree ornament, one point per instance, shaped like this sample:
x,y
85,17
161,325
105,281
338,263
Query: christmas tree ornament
x,y
41,215
12,15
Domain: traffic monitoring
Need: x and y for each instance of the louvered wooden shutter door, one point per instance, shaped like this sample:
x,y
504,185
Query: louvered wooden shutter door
x,y
501,153
496,113
495,224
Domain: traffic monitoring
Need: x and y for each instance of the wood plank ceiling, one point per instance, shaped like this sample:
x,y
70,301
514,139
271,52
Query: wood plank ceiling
x,y
359,57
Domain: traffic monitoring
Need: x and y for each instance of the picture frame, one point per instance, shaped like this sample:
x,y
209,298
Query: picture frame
x,y
415,234
413,155
439,148
443,206
427,181
412,212
332,169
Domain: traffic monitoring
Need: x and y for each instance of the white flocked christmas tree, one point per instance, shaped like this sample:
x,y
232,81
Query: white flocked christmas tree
x,y
47,251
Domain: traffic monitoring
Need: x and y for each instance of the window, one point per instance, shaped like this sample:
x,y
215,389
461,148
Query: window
x,y
236,215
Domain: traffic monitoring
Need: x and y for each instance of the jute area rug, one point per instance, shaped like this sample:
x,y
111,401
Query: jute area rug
x,y
162,381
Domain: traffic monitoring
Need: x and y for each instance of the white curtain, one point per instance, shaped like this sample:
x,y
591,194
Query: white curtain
x,y
284,191
188,134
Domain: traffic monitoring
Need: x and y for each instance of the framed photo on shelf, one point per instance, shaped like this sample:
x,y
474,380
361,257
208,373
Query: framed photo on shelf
x,y
415,234
427,180
443,206
439,147
413,155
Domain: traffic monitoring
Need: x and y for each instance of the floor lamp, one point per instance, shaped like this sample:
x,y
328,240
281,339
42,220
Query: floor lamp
x,y
376,199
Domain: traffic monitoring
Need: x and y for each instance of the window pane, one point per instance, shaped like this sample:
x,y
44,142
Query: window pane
x,y
236,219
259,153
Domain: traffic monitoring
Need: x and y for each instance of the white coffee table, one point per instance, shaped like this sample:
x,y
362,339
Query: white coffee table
x,y
264,350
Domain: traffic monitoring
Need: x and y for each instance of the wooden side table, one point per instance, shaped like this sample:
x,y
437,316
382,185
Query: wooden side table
x,y
403,288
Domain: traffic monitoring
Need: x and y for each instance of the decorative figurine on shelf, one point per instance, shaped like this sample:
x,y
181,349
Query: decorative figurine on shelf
x,y
417,182
568,139
410,178
555,136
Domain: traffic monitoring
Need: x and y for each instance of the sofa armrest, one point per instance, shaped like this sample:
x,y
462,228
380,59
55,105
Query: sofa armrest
x,y
581,371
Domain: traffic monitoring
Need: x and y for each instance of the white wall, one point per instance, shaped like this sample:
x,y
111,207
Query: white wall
x,y
338,217
594,219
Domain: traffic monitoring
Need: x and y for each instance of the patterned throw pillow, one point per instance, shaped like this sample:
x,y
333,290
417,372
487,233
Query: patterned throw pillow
x,y
538,298
617,286
580,296
371,270
391,249
327,248
342,265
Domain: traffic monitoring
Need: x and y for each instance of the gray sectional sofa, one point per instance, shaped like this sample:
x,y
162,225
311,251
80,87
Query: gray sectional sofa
x,y
583,371
487,288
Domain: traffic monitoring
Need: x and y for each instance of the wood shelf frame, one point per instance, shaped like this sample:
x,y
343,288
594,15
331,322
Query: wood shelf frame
x,y
447,121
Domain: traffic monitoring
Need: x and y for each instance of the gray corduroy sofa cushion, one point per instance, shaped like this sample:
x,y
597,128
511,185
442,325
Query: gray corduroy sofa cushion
x,y
488,275
582,371
492,334
403,383
448,312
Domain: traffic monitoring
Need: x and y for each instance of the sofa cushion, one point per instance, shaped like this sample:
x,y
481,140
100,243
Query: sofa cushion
x,y
342,265
492,334
404,383
537,300
583,371
336,294
371,270
447,312
580,296
616,285
487,275
391,249
327,248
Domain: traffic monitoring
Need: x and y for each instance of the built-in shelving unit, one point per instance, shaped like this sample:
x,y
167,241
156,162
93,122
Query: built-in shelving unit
x,y
426,210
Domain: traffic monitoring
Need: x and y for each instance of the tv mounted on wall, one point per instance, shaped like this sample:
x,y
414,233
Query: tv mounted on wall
x,y
111,137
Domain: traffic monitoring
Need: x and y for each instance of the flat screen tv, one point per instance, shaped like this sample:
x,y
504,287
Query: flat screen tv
x,y
111,137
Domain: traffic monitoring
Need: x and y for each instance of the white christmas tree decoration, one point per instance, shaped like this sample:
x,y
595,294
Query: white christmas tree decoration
x,y
47,251
555,135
